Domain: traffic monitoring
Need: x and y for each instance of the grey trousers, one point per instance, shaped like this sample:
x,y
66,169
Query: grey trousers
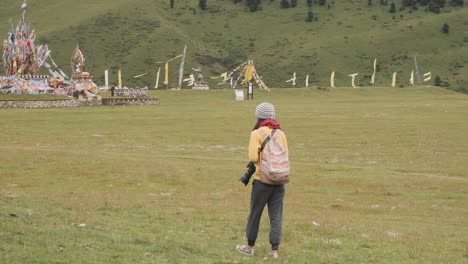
x,y
271,195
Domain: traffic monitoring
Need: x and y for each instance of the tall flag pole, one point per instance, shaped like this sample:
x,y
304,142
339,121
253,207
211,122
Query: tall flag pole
x,y
418,77
332,79
106,78
181,69
166,75
411,80
157,78
119,75
373,74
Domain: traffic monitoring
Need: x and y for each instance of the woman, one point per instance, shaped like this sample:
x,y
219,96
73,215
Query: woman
x,y
262,193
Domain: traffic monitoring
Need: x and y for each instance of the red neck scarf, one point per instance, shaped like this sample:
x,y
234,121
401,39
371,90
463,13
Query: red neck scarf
x,y
269,123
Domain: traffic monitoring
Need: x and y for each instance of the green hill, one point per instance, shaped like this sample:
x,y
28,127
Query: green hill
x,y
348,35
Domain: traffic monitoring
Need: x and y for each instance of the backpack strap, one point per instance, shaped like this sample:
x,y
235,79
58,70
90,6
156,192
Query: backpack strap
x,y
268,137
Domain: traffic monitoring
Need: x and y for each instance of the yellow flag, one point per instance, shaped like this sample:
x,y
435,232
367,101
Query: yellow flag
x,y
248,72
119,75
427,76
166,76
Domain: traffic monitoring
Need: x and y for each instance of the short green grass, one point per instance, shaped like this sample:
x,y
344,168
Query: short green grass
x,y
378,176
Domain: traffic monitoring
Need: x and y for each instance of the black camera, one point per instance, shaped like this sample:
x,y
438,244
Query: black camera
x,y
250,171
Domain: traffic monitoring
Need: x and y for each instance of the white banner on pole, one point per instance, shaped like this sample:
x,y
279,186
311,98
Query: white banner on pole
x,y
106,78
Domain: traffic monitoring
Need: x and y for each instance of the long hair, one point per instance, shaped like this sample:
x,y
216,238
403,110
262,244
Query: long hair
x,y
258,123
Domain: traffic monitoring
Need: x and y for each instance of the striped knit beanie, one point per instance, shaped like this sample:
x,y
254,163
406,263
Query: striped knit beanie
x,y
265,111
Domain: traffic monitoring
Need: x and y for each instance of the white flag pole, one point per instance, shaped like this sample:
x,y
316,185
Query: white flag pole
x,y
181,69
332,79
106,78
157,78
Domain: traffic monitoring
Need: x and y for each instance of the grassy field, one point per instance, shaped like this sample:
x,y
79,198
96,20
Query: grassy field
x,y
378,176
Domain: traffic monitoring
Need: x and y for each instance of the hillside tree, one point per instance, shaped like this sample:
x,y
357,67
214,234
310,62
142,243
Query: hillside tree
x,y
172,3
392,8
202,4
309,3
293,3
441,3
405,3
322,2
310,16
457,2
254,5
284,4
445,28
433,7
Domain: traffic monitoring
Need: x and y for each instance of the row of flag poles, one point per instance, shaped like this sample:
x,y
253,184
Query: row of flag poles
x,y
166,75
119,78
426,77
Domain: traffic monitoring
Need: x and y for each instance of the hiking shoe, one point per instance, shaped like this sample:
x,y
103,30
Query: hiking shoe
x,y
271,255
244,249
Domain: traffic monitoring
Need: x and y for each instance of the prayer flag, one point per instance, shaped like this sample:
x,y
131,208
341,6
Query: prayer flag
x,y
166,74
293,79
157,78
119,75
353,77
411,80
106,78
427,76
332,79
373,74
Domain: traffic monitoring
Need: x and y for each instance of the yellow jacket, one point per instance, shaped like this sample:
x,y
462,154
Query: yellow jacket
x,y
255,143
